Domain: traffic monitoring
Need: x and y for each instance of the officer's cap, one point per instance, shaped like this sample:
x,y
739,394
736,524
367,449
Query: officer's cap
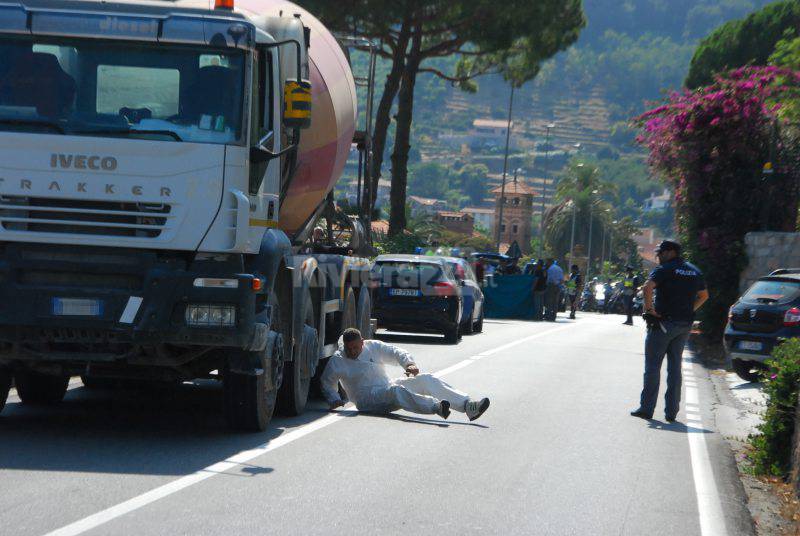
x,y
668,245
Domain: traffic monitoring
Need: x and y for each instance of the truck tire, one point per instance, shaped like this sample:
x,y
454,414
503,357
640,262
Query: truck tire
x,y
94,383
35,388
349,310
364,313
250,397
749,371
5,386
293,395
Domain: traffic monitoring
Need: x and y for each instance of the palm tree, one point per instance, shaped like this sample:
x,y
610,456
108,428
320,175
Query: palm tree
x,y
579,191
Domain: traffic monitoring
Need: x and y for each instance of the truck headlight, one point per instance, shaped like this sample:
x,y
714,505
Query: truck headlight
x,y
201,315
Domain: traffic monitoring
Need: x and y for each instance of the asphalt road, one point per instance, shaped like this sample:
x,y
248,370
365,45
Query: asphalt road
x,y
557,453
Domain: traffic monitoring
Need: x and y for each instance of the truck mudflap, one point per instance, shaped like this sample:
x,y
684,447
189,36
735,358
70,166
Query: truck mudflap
x,y
100,304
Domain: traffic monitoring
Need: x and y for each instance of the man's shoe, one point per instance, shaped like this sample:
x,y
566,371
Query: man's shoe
x,y
443,410
476,408
627,323
641,414
671,419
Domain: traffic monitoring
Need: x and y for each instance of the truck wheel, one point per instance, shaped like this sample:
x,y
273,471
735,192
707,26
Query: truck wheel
x,y
93,383
749,371
451,334
349,311
40,389
5,386
293,395
364,312
250,398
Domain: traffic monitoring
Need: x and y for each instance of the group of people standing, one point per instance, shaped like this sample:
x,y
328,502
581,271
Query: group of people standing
x,y
548,280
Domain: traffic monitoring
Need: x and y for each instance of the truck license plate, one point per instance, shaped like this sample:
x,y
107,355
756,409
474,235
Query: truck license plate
x,y
77,307
750,345
403,292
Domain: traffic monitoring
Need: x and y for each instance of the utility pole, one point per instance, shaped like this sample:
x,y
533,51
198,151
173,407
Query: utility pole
x,y
498,232
572,238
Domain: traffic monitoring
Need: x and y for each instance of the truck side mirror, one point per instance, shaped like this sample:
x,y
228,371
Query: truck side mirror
x,y
297,104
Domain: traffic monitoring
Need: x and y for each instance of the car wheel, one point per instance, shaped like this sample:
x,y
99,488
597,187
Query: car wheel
x,y
468,328
451,334
40,389
749,371
5,386
478,328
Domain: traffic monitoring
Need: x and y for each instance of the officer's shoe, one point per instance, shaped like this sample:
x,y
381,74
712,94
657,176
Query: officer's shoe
x,y
626,323
670,418
641,414
476,408
443,409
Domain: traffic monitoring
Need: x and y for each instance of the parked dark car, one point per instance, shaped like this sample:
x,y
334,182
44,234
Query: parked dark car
x,y
417,294
767,314
472,318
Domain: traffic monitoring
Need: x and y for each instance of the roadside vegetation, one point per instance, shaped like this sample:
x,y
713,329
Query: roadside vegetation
x,y
772,448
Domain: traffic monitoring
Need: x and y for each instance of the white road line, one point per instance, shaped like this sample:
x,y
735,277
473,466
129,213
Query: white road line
x,y
126,507
712,520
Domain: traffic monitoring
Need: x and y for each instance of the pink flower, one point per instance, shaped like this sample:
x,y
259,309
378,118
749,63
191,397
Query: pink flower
x,y
774,376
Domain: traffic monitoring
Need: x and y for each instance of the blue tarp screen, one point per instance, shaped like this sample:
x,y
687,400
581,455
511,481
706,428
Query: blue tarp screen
x,y
510,296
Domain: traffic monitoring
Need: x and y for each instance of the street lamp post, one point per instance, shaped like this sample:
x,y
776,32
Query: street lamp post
x,y
548,128
591,226
572,237
505,169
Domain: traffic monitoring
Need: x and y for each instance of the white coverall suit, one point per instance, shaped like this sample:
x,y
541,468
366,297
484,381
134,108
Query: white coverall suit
x,y
369,387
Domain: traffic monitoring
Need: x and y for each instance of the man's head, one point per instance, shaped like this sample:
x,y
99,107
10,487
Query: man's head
x,y
629,270
353,343
549,262
667,251
575,269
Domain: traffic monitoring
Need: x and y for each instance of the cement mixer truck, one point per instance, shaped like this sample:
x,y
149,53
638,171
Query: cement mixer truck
x,y
166,170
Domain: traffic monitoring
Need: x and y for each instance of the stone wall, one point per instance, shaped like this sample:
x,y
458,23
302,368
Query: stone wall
x,y
768,252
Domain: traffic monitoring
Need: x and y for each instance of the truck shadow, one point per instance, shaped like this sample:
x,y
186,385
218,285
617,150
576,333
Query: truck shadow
x,y
398,337
165,432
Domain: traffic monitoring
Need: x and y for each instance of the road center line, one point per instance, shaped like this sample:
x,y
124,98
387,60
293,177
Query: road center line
x,y
140,501
712,520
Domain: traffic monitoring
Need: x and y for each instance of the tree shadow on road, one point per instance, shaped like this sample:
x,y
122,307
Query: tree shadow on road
x,y
677,427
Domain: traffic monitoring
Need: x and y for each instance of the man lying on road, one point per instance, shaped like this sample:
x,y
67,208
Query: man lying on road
x,y
359,365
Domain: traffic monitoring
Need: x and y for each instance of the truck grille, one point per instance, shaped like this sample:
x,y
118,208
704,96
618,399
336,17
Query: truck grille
x,y
72,216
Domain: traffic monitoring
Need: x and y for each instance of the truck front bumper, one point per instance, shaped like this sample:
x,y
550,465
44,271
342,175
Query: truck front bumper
x,y
117,301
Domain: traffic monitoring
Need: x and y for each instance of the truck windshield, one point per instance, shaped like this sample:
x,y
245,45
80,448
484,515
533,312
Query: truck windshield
x,y
84,87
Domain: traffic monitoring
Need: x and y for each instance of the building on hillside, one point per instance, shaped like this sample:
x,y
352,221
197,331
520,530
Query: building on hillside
x,y
422,205
646,241
380,230
484,217
658,202
457,222
490,133
382,199
517,214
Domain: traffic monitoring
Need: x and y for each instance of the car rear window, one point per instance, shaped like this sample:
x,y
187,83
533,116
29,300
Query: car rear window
x,y
408,274
772,291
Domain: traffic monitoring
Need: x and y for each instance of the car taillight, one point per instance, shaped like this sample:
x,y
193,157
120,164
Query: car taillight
x,y
792,317
444,288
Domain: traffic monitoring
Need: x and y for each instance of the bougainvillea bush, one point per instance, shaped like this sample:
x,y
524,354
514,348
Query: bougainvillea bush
x,y
712,145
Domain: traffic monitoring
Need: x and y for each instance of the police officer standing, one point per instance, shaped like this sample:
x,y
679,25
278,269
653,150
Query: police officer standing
x,y
679,290
630,286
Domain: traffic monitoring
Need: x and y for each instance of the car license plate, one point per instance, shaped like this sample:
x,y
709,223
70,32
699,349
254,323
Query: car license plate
x,y
77,307
750,345
404,292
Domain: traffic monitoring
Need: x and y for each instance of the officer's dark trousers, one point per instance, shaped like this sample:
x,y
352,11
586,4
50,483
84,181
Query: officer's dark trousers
x,y
628,307
657,345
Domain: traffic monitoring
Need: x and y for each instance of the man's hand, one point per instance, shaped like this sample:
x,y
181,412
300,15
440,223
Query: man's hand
x,y
412,370
336,404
